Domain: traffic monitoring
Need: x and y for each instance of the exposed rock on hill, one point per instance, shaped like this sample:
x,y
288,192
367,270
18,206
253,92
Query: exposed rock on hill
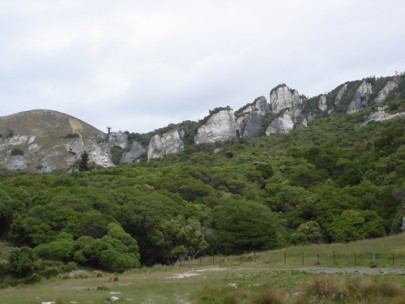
x,y
249,118
45,140
361,98
169,143
289,104
383,94
220,126
136,151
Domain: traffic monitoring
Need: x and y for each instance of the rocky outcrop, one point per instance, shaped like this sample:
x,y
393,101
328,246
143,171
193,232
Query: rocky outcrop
x,y
169,143
381,115
282,124
361,97
249,118
322,103
288,104
137,150
220,126
340,94
282,97
118,139
383,94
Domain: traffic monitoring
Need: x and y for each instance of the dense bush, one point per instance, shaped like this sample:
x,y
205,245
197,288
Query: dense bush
x,y
337,180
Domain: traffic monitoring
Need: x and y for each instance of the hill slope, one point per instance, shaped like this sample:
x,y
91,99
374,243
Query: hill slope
x,y
46,140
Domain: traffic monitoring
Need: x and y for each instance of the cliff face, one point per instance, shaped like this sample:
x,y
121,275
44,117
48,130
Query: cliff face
x,y
169,143
220,126
249,118
44,140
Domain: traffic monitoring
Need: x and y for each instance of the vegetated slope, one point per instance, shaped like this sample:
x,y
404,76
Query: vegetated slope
x,y
337,180
41,139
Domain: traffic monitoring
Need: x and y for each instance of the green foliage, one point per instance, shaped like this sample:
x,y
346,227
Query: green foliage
x,y
22,261
71,135
337,180
116,154
59,249
356,225
16,151
308,232
115,251
242,226
84,162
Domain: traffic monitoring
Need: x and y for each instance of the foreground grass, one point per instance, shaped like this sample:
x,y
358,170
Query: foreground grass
x,y
259,278
254,282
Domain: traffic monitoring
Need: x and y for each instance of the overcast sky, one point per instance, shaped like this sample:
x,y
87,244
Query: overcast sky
x,y
138,65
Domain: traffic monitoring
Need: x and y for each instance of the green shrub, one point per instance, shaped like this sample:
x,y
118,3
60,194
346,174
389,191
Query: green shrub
x,y
16,151
22,261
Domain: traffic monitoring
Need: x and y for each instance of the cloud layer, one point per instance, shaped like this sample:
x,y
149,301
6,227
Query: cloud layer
x,y
140,65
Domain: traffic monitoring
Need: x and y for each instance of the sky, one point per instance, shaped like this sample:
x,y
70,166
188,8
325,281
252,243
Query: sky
x,y
138,65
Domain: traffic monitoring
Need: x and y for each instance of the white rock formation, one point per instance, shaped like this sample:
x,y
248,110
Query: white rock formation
x,y
383,94
283,97
169,143
221,126
118,139
340,94
322,103
282,124
381,115
136,151
98,153
249,120
360,99
290,102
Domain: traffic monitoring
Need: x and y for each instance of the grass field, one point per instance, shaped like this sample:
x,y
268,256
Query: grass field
x,y
258,278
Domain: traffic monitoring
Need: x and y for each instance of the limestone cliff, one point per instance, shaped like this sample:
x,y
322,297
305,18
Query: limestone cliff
x,y
220,126
249,118
361,97
169,143
288,104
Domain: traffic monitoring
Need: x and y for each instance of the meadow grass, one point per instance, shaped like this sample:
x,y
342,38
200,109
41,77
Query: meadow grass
x,y
258,277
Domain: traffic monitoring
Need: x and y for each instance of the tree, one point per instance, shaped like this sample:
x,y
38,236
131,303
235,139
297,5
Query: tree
x,y
354,225
84,162
308,232
242,226
22,261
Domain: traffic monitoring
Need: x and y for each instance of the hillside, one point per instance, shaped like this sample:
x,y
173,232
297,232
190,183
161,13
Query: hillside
x,y
44,140
339,178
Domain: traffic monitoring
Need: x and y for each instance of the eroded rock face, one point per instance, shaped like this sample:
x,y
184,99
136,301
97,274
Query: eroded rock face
x,y
137,150
340,94
383,94
249,120
282,124
288,103
381,115
322,103
360,99
283,97
221,126
169,143
118,139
